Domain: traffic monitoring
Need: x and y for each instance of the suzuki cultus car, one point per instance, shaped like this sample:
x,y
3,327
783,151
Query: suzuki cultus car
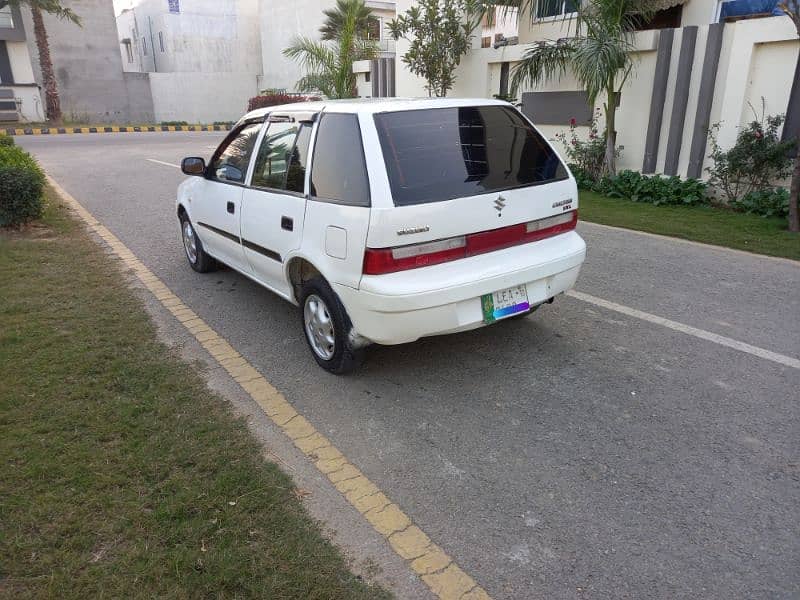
x,y
387,220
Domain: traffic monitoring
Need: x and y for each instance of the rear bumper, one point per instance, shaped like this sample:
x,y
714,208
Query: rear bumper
x,y
403,307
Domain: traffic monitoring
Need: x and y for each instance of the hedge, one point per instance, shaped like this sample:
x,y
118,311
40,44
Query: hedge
x,y
21,187
275,99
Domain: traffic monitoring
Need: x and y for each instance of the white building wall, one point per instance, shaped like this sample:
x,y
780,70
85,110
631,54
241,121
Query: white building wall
x,y
201,97
206,35
25,88
281,22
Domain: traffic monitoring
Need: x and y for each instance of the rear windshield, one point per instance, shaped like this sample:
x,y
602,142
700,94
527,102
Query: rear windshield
x,y
444,153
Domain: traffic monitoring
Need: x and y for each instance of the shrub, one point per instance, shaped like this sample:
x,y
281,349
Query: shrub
x,y
767,203
21,187
173,123
755,162
653,189
276,99
6,140
586,157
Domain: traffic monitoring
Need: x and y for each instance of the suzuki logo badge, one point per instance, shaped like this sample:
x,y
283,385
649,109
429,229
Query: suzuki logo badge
x,y
500,204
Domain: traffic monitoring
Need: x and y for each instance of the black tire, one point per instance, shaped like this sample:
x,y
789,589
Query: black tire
x,y
340,357
202,263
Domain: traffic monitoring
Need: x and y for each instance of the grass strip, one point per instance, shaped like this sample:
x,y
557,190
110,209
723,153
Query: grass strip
x,y
740,231
122,475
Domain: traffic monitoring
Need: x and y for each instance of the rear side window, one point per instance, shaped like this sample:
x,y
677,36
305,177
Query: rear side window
x,y
444,153
338,171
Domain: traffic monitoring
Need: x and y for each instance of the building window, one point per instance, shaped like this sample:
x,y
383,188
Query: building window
x,y
736,10
129,50
144,46
6,75
374,28
161,40
6,19
555,8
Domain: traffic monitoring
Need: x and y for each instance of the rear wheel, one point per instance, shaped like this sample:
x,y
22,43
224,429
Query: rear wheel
x,y
193,247
327,328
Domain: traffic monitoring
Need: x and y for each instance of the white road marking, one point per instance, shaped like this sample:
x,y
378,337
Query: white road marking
x,y
781,359
161,162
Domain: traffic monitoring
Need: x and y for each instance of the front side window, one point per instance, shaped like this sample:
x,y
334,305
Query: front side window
x,y
444,153
282,157
338,172
232,157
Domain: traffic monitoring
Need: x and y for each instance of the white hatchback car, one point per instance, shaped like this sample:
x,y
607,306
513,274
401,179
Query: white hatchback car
x,y
387,220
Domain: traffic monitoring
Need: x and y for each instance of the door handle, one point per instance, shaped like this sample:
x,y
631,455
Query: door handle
x,y
231,208
287,223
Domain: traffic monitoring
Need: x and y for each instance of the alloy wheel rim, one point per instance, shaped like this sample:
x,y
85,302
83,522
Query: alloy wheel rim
x,y
189,242
319,327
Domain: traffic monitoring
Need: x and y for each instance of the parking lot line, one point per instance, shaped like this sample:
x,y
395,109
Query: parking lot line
x,y
161,162
781,359
438,570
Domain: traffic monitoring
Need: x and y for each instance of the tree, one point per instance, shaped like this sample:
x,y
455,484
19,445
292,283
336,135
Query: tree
x,y
792,10
53,7
329,64
335,19
440,32
598,55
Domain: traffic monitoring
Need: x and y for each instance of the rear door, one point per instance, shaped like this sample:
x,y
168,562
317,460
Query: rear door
x,y
337,218
273,206
465,169
216,205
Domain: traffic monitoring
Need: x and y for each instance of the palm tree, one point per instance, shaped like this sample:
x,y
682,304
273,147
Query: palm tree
x,y
598,55
336,17
53,7
329,65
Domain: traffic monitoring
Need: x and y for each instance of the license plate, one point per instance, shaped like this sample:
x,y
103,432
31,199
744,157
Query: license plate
x,y
504,303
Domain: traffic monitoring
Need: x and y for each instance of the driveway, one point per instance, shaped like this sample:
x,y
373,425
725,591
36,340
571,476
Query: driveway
x,y
637,441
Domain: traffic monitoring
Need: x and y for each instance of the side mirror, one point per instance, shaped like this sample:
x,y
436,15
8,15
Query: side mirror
x,y
193,166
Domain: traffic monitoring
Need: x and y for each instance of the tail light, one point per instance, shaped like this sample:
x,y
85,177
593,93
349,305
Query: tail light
x,y
378,261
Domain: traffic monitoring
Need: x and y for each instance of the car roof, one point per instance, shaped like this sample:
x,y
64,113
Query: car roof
x,y
373,105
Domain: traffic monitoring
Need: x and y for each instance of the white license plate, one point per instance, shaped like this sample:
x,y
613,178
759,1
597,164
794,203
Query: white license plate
x,y
504,303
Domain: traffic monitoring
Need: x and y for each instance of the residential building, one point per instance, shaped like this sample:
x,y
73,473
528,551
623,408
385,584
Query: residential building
x,y
91,83
699,62
202,57
20,99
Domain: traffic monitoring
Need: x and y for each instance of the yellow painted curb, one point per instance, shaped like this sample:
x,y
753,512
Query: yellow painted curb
x,y
25,131
442,575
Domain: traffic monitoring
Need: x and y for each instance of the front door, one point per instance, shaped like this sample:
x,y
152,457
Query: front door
x,y
273,207
217,204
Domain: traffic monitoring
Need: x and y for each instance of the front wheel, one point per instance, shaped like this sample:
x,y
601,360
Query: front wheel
x,y
327,328
193,247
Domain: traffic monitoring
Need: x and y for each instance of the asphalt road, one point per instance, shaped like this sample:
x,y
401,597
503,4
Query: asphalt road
x,y
578,453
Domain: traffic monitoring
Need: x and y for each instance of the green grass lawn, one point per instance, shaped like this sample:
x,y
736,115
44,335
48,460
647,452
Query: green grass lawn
x,y
122,475
698,223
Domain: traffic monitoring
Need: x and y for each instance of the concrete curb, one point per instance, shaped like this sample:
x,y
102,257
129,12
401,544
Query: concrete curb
x,y
113,129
